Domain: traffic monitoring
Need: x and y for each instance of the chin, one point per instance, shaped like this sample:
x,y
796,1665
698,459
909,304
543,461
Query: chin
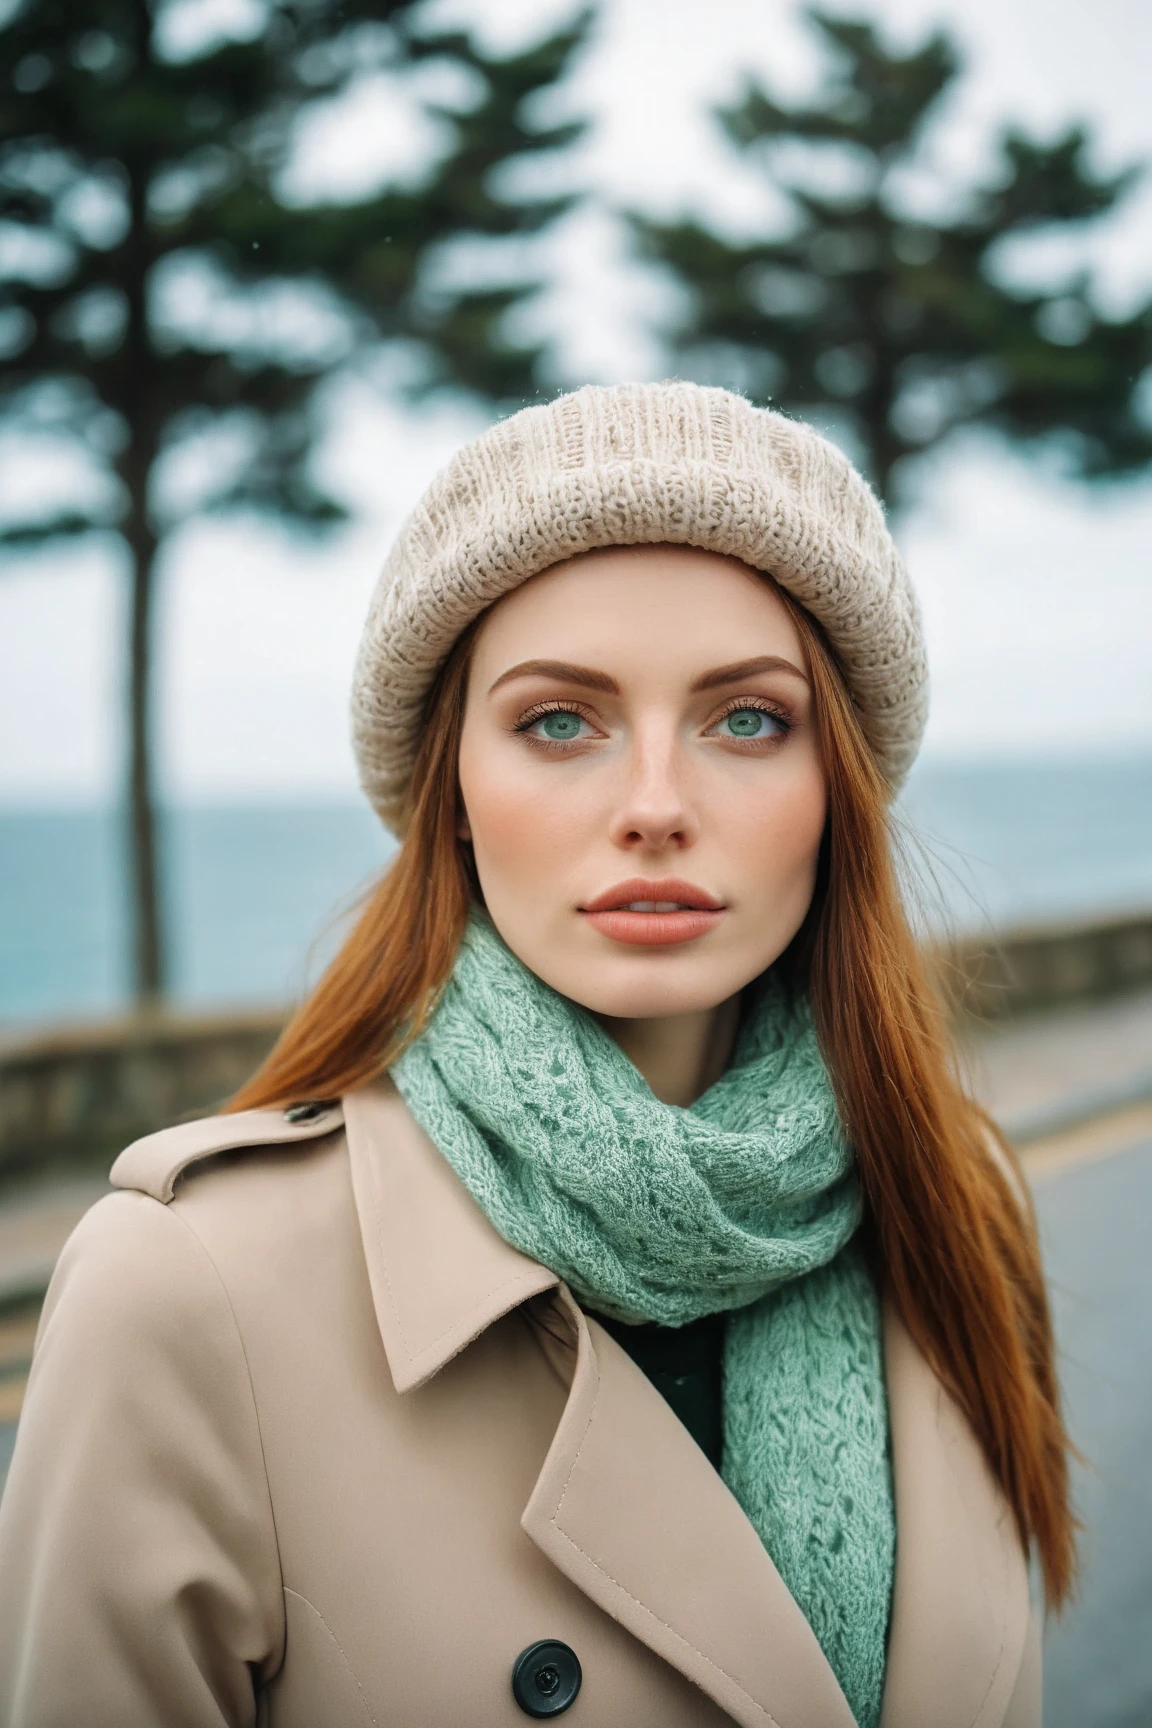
x,y
651,987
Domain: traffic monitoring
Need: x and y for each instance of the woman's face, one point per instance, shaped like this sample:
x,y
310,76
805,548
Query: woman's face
x,y
640,778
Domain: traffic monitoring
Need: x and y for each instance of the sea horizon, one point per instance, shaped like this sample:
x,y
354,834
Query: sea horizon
x,y
255,887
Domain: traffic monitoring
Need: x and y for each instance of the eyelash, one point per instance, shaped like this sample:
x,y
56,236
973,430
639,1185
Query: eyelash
x,y
537,712
529,718
761,706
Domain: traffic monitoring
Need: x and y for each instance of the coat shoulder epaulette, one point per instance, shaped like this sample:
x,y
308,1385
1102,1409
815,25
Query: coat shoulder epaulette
x,y
155,1164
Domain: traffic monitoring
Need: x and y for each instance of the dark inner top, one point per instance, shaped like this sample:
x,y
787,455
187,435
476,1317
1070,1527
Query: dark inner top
x,y
686,1365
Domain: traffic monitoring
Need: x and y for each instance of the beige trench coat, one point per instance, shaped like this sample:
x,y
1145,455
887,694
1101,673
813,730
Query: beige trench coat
x,y
306,1444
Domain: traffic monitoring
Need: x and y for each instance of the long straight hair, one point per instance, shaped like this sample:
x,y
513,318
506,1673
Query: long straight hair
x,y
947,1214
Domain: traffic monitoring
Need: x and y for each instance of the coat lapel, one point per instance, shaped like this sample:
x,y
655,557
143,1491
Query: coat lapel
x,y
629,1508
626,1505
960,1606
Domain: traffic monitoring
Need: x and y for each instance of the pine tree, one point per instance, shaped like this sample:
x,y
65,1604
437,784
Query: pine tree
x,y
892,326
127,169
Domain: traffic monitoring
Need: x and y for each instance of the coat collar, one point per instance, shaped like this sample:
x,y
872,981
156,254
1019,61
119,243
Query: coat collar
x,y
440,1274
698,1588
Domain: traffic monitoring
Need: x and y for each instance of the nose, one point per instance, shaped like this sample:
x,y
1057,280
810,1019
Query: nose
x,y
655,811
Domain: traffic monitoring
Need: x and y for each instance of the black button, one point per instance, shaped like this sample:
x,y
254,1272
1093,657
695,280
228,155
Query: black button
x,y
304,1112
546,1678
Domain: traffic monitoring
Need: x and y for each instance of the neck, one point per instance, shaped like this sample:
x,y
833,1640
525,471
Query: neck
x,y
679,1055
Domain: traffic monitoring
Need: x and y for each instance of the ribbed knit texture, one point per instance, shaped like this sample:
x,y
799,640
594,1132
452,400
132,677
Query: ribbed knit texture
x,y
747,1201
624,465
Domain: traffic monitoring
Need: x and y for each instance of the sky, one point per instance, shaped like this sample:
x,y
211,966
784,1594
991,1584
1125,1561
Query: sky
x,y
1036,593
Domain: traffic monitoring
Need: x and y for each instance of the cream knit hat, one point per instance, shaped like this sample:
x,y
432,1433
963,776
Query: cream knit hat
x,y
625,465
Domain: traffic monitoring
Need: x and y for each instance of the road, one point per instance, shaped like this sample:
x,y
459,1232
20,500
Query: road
x,y
1095,1226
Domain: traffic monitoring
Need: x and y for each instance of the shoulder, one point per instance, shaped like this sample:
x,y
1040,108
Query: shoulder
x,y
154,1251
155,1164
267,1204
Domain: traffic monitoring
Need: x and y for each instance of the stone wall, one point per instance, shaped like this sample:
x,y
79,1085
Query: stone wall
x,y
71,1097
1025,971
77,1096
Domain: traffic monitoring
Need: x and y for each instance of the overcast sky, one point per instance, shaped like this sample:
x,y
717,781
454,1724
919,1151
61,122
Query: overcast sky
x,y
1037,594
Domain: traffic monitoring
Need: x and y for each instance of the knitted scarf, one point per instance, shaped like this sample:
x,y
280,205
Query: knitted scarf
x,y
746,1201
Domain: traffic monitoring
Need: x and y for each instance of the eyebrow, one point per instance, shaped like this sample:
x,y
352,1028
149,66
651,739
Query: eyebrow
x,y
741,669
564,672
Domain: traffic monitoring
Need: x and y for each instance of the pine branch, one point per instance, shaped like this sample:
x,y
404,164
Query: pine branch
x,y
899,327
66,525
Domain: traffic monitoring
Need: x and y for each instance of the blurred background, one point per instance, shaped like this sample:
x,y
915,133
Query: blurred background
x,y
264,264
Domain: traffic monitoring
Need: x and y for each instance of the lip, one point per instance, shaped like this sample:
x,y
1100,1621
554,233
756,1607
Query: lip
x,y
654,888
697,912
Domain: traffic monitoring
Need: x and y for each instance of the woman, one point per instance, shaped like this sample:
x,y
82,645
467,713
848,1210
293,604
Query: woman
x,y
603,1299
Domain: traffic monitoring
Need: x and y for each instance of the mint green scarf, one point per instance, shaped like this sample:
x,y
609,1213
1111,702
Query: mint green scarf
x,y
746,1201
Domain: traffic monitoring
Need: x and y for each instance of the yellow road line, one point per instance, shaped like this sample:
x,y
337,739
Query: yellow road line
x,y
1087,1144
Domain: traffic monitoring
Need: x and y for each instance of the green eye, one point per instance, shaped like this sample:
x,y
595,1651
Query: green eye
x,y
747,722
561,726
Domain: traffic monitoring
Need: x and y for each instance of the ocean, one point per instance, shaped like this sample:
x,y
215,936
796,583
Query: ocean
x,y
254,894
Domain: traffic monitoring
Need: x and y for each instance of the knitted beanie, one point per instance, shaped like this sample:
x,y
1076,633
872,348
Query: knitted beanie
x,y
627,465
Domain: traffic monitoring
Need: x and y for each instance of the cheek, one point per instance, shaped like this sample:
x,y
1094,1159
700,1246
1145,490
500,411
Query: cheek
x,y
775,840
519,816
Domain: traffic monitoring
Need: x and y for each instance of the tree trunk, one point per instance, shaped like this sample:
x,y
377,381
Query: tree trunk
x,y
142,416
882,477
149,972
884,448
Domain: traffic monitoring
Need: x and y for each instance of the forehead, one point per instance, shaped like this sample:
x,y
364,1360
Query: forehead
x,y
638,610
